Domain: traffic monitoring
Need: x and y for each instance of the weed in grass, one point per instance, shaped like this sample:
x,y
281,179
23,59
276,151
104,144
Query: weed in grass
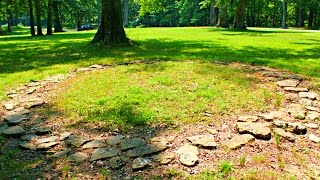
x,y
225,168
65,170
104,174
277,139
173,173
205,175
242,160
278,100
299,157
259,158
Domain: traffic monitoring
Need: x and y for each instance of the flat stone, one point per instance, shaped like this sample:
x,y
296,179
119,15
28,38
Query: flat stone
x,y
212,131
64,136
273,115
284,134
314,138
94,144
296,89
147,149
311,108
115,140
33,84
288,83
78,157
292,97
104,153
131,143
76,141
312,126
309,95
47,145
141,163
96,66
305,102
42,130
31,90
238,141
17,116
248,118
224,136
29,137
27,145
83,69
258,130
34,104
188,155
60,154
9,106
297,111
296,128
46,140
316,104
206,141
14,131
164,159
312,115
163,140
118,162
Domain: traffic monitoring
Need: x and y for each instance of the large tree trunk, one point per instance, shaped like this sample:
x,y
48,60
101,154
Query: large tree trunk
x,y
239,19
49,20
125,13
111,31
38,14
223,16
311,17
212,13
284,14
274,17
31,18
10,20
57,20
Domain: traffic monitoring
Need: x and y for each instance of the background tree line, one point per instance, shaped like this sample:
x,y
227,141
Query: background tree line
x,y
61,14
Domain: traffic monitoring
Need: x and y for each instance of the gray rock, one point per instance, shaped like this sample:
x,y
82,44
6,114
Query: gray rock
x,y
165,158
206,141
131,143
284,134
64,136
296,89
188,155
17,116
104,153
316,104
163,140
78,157
34,104
29,137
10,106
288,83
305,102
248,118
309,95
96,66
115,140
47,145
312,126
297,111
238,141
83,69
273,115
31,90
42,130
27,145
212,131
258,130
312,115
14,131
314,138
94,144
141,163
311,108
147,149
292,97
296,128
118,162
76,141
46,140
61,154
224,136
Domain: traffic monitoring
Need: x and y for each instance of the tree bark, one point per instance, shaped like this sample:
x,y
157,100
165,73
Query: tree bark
x,y
32,30
301,14
274,17
111,31
125,13
239,19
284,14
38,14
223,16
57,20
311,17
10,20
212,13
49,20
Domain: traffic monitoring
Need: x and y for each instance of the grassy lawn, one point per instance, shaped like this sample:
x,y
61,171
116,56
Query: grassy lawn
x,y
24,58
166,92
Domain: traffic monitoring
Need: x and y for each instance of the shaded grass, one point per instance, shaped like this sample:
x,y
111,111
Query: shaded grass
x,y
25,58
166,92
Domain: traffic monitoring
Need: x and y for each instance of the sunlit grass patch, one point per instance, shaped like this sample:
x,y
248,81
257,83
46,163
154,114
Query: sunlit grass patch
x,y
167,92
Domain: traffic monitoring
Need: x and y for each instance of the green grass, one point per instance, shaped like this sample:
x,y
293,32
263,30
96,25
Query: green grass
x,y
24,58
164,92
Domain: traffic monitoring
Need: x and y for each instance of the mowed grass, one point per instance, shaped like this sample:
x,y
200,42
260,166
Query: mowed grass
x,y
163,93
24,58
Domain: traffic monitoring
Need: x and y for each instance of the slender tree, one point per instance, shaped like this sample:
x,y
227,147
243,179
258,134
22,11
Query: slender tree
x,y
212,12
10,20
125,13
284,14
38,14
111,31
49,18
223,14
32,30
239,19
57,19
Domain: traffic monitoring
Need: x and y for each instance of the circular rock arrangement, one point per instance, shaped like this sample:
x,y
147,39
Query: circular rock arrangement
x,y
288,123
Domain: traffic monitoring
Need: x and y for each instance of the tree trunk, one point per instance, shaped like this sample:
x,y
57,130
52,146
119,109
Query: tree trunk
x,y
284,14
212,13
311,17
31,18
38,14
10,20
239,19
223,16
274,17
301,14
57,21
125,13
79,27
111,31
49,20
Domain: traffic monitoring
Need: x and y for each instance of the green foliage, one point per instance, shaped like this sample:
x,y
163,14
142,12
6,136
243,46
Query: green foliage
x,y
226,168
